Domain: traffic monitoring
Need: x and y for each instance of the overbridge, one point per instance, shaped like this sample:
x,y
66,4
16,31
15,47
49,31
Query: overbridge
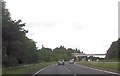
x,y
82,56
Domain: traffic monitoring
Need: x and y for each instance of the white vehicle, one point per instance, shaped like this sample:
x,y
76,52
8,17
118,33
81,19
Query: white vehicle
x,y
71,61
61,62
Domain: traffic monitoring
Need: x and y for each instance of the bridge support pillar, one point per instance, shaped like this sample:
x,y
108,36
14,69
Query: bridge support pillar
x,y
76,58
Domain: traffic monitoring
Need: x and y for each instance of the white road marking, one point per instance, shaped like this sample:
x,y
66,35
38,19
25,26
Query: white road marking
x,y
98,69
43,69
67,69
74,74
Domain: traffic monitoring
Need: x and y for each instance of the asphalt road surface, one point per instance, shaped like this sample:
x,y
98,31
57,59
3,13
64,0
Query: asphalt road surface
x,y
71,69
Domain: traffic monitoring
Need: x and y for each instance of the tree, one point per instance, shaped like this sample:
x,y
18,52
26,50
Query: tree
x,y
62,53
113,52
45,54
17,48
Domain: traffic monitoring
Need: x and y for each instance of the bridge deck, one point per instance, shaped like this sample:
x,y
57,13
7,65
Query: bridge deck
x,y
82,54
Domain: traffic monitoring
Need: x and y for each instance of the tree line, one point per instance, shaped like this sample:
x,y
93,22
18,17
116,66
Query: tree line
x,y
47,54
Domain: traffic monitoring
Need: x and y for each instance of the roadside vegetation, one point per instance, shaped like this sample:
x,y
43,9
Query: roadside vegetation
x,y
113,53
111,66
26,69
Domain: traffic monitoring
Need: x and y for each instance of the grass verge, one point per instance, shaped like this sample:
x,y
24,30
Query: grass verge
x,y
31,69
109,66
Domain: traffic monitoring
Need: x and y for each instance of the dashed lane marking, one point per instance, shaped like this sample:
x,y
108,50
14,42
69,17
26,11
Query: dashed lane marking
x,y
67,69
74,74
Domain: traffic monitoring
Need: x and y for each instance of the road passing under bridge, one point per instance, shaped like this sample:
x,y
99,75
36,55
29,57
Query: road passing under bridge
x,y
72,69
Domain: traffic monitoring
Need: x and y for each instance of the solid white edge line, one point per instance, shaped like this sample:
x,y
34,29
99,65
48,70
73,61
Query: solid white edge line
x,y
42,69
98,69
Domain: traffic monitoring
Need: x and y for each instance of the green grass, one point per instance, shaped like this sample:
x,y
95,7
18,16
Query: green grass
x,y
26,69
102,65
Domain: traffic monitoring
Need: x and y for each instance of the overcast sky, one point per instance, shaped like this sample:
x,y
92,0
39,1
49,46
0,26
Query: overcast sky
x,y
89,25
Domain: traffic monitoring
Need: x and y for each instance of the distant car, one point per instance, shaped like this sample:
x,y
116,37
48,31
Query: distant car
x,y
71,61
61,62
